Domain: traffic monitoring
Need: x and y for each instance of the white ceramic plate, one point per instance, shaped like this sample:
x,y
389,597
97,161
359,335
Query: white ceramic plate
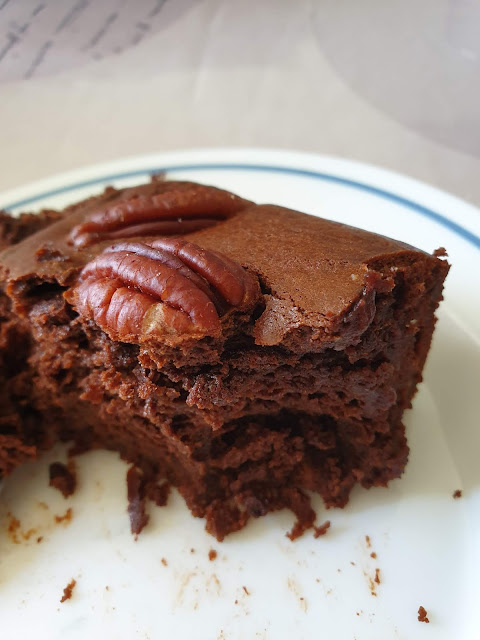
x,y
261,585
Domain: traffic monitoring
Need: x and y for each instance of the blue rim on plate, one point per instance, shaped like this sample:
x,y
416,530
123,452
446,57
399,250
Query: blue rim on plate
x,y
467,235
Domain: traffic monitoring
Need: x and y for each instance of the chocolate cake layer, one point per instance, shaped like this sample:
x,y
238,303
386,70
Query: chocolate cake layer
x,y
245,354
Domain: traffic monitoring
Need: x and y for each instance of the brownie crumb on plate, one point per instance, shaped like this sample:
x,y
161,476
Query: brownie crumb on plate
x,y
136,489
13,528
63,477
158,493
321,530
67,592
65,518
422,615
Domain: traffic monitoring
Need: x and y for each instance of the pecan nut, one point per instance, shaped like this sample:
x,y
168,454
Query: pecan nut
x,y
167,288
179,208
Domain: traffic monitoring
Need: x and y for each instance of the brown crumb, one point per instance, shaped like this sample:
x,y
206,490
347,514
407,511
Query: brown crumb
x,y
26,535
371,584
422,615
457,494
136,487
192,550
39,539
377,576
158,493
440,253
107,588
212,554
321,530
67,592
82,445
299,503
14,532
215,580
164,562
373,555
66,518
63,477
368,542
159,176
13,527
236,601
353,563
246,590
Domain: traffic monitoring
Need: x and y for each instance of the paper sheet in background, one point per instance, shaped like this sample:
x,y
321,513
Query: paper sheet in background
x,y
40,38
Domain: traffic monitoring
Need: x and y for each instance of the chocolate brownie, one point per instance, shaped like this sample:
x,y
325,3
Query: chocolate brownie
x,y
245,354
13,230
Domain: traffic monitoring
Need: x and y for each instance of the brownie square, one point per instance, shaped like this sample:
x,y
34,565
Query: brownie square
x,y
245,354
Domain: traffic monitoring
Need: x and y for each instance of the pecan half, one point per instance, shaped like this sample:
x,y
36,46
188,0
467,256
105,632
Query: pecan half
x,y
179,208
168,288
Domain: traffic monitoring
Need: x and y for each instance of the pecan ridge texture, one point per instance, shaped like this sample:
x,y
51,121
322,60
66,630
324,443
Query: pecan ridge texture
x,y
178,208
167,288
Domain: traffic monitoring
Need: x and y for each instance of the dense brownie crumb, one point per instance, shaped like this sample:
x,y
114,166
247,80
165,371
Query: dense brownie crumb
x,y
14,531
422,615
158,493
212,554
299,503
67,592
63,477
13,528
136,488
321,530
249,355
65,518
457,494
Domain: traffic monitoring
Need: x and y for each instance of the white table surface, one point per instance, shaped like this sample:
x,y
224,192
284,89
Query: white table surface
x,y
257,73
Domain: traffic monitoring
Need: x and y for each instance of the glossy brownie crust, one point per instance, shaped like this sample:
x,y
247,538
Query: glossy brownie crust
x,y
245,354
